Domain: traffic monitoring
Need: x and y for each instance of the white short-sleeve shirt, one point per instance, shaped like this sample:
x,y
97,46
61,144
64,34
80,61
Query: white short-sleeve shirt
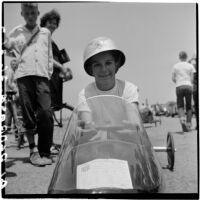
x,y
124,89
182,73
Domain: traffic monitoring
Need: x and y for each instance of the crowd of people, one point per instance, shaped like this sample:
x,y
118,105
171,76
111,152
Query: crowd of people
x,y
37,78
38,71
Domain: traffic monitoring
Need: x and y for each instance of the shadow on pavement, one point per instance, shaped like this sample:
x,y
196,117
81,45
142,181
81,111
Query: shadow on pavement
x,y
10,174
12,161
149,126
183,133
15,147
179,132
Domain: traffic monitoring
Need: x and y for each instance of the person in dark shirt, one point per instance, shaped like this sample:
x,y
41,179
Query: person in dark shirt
x,y
51,21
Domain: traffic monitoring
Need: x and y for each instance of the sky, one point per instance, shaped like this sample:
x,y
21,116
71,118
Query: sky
x,y
151,35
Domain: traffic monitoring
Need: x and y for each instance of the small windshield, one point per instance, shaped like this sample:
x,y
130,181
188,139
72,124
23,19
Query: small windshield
x,y
115,137
111,116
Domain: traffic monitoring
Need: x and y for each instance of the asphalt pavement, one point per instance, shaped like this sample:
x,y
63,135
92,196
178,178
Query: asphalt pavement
x,y
24,178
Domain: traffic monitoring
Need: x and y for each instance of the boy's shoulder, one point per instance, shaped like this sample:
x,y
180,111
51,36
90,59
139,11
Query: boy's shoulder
x,y
44,30
125,82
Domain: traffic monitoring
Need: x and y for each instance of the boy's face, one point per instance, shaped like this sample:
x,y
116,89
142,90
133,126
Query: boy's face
x,y
104,69
30,15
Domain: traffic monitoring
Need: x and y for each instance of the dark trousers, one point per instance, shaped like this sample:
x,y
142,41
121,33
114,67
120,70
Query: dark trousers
x,y
184,100
184,96
35,100
195,104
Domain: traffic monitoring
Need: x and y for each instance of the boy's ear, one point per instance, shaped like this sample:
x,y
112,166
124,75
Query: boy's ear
x,y
21,13
38,12
92,71
118,62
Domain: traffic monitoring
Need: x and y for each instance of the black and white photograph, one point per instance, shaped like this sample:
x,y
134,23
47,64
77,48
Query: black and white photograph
x,y
100,99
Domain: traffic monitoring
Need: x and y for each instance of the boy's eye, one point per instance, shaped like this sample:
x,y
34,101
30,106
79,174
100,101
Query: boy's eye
x,y
31,13
109,63
96,64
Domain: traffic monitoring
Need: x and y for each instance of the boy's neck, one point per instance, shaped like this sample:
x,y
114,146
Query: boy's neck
x,y
30,27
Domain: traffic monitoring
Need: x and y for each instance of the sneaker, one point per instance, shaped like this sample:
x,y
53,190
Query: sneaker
x,y
47,160
189,125
54,150
183,124
36,160
184,127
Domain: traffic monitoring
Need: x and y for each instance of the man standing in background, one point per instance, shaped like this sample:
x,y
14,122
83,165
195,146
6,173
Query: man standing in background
x,y
35,67
182,76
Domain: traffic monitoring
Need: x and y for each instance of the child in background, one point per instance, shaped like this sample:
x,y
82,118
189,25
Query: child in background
x,y
35,67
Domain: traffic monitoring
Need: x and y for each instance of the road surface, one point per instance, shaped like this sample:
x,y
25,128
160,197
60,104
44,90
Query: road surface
x,y
24,178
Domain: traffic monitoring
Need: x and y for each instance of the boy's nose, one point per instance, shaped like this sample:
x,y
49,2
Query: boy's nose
x,y
103,68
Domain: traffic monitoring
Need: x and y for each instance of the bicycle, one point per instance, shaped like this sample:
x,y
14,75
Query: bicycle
x,y
59,108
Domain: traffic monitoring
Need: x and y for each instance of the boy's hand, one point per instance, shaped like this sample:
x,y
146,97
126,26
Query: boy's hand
x,y
86,125
66,74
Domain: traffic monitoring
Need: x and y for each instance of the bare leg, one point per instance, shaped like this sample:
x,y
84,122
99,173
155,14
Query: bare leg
x,y
181,114
189,117
182,118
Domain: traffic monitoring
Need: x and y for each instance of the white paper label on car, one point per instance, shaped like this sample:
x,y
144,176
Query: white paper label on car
x,y
98,173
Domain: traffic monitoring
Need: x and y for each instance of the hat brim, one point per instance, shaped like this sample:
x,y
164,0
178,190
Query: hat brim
x,y
118,54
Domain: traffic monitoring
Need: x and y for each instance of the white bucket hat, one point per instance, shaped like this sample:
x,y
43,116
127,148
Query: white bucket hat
x,y
98,45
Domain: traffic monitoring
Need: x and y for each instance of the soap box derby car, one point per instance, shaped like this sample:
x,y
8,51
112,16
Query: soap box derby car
x,y
112,155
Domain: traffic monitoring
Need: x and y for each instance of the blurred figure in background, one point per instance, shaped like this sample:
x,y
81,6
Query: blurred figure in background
x,y
13,108
193,61
182,76
11,86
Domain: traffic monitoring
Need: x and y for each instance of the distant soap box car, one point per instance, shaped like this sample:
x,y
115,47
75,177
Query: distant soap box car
x,y
159,109
148,116
113,155
171,109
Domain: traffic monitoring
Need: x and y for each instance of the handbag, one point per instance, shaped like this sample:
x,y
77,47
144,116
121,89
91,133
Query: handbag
x,y
64,57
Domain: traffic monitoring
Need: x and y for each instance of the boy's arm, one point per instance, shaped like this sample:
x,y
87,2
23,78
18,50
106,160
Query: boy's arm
x,y
193,71
50,57
192,77
84,112
57,65
173,76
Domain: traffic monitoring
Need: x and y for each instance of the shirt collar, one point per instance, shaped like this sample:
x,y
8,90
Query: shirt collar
x,y
33,31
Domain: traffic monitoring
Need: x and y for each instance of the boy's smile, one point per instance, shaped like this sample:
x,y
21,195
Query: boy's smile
x,y
104,69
